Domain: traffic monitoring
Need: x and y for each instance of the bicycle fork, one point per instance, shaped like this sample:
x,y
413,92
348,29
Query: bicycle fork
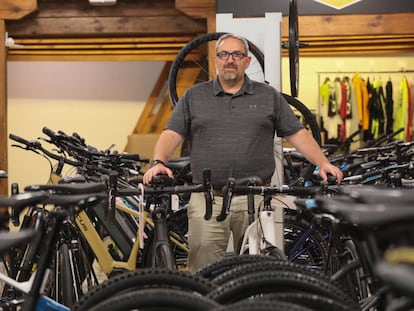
x,y
266,232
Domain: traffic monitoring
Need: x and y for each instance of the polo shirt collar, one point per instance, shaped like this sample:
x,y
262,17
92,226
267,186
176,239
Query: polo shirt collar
x,y
247,87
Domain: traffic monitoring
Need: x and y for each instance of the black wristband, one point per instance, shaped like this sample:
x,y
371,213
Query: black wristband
x,y
155,162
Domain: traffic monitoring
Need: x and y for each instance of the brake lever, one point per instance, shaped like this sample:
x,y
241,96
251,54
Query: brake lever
x,y
208,193
227,196
112,190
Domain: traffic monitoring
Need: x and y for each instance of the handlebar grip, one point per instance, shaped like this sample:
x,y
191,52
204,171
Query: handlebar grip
x,y
49,132
78,138
19,139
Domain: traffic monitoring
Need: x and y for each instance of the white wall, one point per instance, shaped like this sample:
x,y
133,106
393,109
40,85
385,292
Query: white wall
x,y
101,101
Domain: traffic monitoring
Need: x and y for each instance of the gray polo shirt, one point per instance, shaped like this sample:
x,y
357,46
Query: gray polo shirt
x,y
232,134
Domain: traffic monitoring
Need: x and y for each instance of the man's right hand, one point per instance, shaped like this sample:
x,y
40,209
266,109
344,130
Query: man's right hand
x,y
156,170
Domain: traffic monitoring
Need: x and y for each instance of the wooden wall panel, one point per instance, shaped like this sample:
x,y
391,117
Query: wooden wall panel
x,y
3,107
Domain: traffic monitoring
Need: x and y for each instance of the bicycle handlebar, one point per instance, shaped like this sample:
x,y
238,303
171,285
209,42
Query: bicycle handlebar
x,y
233,188
36,146
76,143
380,171
157,189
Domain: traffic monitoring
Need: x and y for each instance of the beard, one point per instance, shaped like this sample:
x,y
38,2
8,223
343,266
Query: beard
x,y
230,73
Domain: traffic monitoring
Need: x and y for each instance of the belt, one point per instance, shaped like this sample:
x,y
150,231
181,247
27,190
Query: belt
x,y
219,193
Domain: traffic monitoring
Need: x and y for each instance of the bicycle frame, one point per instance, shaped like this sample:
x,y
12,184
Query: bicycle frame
x,y
265,231
41,302
106,261
100,249
44,303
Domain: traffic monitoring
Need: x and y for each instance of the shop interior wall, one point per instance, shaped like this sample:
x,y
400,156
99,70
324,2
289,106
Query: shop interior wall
x,y
102,101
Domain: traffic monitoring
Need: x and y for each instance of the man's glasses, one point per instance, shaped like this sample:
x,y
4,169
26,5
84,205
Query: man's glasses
x,y
237,55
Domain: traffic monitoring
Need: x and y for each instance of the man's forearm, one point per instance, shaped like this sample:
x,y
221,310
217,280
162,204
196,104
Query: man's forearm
x,y
166,144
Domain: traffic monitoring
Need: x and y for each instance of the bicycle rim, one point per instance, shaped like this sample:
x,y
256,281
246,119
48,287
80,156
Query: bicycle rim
x,y
195,55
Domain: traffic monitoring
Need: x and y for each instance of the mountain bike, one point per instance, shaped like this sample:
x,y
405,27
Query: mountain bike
x,y
302,240
43,240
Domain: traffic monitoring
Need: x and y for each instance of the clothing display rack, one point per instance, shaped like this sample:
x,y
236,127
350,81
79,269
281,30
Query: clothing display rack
x,y
384,75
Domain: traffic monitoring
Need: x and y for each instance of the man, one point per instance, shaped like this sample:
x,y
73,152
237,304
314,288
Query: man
x,y
230,123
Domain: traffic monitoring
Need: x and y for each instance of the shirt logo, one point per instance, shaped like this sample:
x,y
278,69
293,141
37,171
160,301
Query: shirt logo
x,y
338,4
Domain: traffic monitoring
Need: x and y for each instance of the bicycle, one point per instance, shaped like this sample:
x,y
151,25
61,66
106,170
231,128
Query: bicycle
x,y
363,230
303,241
43,239
123,232
395,269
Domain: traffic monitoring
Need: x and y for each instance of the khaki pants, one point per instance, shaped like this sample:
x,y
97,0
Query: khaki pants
x,y
208,239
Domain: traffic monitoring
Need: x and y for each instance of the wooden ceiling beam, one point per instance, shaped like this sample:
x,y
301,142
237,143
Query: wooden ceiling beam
x,y
104,26
16,9
197,8
352,25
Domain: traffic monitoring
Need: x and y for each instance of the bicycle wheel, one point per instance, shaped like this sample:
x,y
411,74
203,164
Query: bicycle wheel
x,y
178,227
256,72
195,55
156,299
63,282
304,244
354,280
253,284
140,279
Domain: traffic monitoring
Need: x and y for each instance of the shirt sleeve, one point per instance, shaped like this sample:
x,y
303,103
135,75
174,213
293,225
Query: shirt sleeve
x,y
179,120
286,122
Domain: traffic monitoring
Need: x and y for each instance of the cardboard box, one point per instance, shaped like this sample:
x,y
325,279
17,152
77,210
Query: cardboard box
x,y
143,144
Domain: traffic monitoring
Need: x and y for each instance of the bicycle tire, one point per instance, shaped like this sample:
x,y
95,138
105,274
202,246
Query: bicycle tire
x,y
271,265
354,279
156,299
65,279
315,302
192,46
260,304
178,227
212,270
253,284
145,278
163,257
